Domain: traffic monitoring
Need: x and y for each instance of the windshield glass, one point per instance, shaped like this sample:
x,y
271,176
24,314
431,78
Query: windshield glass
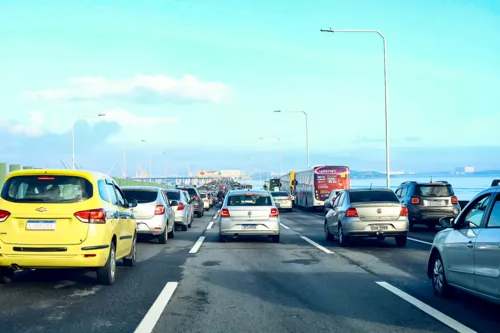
x,y
249,200
280,194
46,188
142,196
203,195
434,190
173,195
372,196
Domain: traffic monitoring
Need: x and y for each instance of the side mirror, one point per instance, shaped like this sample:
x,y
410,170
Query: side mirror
x,y
132,203
328,204
447,222
174,203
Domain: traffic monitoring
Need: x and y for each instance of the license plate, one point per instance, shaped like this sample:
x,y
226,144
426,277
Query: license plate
x,y
379,227
40,225
249,226
436,203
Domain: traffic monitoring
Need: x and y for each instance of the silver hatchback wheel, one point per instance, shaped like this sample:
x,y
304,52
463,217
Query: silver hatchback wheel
x,y
439,283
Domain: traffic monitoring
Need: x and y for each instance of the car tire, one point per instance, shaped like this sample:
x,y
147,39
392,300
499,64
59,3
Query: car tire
x,y
222,238
171,234
275,238
107,273
439,283
163,237
184,227
328,235
6,275
401,240
131,259
343,240
290,210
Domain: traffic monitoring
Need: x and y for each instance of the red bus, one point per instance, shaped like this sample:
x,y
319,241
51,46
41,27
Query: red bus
x,y
314,185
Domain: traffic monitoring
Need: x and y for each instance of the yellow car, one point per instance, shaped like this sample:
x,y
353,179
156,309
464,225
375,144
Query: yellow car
x,y
65,219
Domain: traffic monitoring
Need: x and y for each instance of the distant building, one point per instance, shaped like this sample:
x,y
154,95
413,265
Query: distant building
x,y
232,173
465,169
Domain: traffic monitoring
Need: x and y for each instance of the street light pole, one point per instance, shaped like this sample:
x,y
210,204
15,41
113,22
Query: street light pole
x,y
73,136
125,159
151,165
281,157
307,133
386,93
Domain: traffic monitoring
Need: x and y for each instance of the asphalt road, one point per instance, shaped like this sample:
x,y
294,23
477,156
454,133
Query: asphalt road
x,y
303,284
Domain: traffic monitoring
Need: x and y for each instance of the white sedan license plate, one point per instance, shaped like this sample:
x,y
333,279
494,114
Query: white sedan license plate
x,y
249,226
379,227
40,225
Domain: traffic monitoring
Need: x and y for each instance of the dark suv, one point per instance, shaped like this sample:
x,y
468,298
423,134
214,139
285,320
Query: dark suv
x,y
195,196
428,202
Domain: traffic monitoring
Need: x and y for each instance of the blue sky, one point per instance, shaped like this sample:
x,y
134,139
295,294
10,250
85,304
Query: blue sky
x,y
199,80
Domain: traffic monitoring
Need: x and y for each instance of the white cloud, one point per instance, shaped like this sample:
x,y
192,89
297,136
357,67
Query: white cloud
x,y
140,89
128,119
34,127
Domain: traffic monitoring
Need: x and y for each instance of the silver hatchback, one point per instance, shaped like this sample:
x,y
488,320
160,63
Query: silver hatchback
x,y
249,213
154,216
367,213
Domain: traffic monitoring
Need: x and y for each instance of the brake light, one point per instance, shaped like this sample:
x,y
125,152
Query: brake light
x,y
225,213
415,200
4,215
454,200
159,210
351,212
404,211
180,206
274,212
95,216
45,178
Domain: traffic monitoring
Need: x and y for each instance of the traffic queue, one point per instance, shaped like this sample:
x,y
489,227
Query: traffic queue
x,y
83,219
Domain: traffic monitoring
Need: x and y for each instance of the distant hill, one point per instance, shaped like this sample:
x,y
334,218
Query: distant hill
x,y
366,174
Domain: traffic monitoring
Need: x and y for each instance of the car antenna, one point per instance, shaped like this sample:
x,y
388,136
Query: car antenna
x,y
371,186
431,179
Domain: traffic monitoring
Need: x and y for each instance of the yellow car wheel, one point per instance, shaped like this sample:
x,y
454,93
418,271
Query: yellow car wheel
x,y
106,274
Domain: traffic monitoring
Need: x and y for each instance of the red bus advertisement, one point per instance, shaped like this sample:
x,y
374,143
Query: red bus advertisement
x,y
314,185
329,178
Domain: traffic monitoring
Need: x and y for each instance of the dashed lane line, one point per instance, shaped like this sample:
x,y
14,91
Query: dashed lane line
x,y
149,321
448,321
322,248
197,245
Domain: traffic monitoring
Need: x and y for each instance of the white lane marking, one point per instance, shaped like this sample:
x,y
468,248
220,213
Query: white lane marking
x,y
419,241
210,225
149,321
450,322
197,245
284,226
324,249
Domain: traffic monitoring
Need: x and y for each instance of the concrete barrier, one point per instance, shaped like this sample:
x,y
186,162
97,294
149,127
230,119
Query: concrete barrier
x,y
119,181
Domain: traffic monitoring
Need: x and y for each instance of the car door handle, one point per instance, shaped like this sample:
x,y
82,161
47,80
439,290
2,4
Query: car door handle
x,y
470,245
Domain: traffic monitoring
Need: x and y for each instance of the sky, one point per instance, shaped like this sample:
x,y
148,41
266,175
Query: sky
x,y
191,85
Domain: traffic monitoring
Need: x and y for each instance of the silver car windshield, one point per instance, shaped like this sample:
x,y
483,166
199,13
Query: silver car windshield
x,y
249,200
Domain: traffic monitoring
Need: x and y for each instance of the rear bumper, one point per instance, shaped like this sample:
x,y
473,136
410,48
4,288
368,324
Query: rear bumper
x,y
285,205
198,208
358,228
227,227
206,205
153,226
39,256
181,219
432,214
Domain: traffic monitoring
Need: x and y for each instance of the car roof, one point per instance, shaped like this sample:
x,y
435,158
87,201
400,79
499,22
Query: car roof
x,y
379,189
140,187
60,172
249,191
